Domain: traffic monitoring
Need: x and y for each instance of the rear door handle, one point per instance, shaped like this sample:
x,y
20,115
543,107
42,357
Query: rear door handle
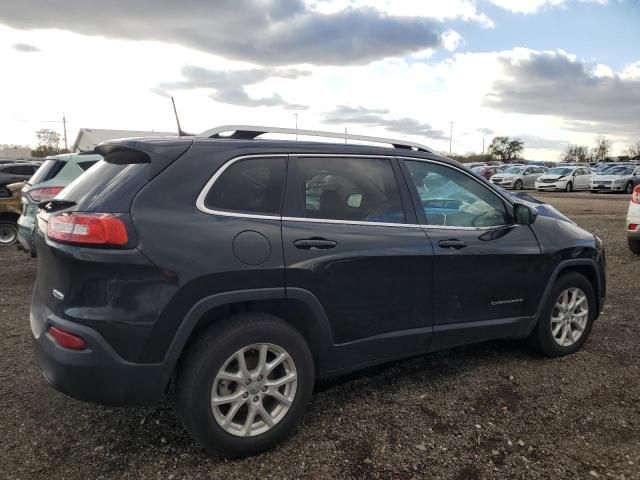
x,y
315,244
453,243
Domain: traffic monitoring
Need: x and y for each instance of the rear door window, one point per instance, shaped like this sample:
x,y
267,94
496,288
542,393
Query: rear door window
x,y
251,186
48,170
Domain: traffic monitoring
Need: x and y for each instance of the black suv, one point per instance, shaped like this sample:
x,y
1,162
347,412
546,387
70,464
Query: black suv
x,y
246,268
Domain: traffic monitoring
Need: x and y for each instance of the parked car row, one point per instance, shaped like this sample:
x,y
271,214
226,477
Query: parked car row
x,y
633,221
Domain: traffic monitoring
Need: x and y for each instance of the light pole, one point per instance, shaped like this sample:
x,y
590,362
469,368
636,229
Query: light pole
x,y
296,115
450,136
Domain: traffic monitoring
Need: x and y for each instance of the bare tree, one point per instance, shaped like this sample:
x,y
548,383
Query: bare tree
x,y
575,153
633,151
48,143
505,148
602,149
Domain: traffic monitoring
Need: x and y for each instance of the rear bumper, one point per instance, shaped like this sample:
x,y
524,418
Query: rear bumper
x,y
97,374
26,228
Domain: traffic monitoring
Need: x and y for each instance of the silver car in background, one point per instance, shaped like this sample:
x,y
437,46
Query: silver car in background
x,y
616,179
519,177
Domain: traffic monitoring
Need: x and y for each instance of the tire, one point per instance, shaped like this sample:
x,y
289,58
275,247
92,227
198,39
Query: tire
x,y
8,233
542,338
634,245
517,185
569,187
211,353
629,188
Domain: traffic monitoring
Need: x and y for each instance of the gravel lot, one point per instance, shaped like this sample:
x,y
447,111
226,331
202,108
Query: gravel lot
x,y
487,411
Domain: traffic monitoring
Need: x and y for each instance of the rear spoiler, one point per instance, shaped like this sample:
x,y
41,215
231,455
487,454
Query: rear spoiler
x,y
158,152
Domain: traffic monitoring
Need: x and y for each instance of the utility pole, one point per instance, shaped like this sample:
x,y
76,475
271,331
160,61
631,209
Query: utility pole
x,y
64,126
450,137
482,145
296,115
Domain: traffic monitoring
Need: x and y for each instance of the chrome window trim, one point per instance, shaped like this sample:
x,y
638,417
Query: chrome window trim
x,y
200,201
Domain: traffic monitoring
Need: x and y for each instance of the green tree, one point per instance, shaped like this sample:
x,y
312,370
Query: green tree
x,y
48,143
601,151
506,149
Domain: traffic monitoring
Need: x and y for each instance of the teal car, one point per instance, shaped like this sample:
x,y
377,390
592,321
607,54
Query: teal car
x,y
55,173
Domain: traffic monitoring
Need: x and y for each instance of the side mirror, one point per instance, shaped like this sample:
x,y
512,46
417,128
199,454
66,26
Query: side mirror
x,y
522,214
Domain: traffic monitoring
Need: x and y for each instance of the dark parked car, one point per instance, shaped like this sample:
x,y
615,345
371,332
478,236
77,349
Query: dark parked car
x,y
248,268
14,172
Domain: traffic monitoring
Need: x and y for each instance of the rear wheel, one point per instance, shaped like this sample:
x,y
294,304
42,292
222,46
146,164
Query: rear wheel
x,y
244,384
567,318
634,246
8,233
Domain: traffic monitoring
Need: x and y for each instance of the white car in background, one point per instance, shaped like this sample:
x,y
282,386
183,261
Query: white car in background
x,y
616,179
519,177
633,221
565,178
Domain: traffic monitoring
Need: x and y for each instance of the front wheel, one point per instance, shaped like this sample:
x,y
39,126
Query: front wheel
x,y
567,318
634,245
629,188
518,185
8,233
569,187
244,384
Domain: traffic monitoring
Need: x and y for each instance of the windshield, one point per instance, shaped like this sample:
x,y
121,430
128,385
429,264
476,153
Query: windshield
x,y
619,171
514,170
560,171
48,170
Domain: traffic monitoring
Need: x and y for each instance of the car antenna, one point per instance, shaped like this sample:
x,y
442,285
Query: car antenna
x,y
181,133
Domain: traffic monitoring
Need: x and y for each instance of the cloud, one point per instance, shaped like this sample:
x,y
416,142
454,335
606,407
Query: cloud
x,y
533,141
230,85
264,32
557,84
25,47
485,131
533,6
346,115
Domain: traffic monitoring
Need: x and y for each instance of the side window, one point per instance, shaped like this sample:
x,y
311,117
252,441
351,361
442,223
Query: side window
x,y
451,198
355,189
11,170
84,166
249,186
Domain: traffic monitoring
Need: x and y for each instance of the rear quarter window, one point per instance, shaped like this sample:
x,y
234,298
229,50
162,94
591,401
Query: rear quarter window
x,y
48,170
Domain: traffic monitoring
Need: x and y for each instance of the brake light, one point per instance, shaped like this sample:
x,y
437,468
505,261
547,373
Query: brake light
x,y
45,193
92,228
67,340
635,196
632,227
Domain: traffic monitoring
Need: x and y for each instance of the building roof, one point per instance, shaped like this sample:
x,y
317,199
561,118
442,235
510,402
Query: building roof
x,y
88,138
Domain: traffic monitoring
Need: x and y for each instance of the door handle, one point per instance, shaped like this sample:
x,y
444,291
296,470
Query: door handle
x,y
315,244
452,243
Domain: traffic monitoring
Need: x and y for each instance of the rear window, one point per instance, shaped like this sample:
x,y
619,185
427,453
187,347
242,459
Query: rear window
x,y
48,170
249,186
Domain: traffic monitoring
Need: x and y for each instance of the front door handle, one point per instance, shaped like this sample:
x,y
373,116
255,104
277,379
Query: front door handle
x,y
452,243
315,244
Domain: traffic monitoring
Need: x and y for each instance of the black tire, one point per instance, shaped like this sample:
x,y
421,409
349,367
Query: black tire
x,y
207,355
629,188
634,245
517,185
569,187
594,191
8,233
541,338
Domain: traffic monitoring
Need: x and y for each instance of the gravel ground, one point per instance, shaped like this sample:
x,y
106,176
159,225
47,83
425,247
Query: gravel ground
x,y
486,411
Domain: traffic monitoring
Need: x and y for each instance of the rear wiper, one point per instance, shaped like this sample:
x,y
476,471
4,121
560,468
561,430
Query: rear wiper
x,y
53,205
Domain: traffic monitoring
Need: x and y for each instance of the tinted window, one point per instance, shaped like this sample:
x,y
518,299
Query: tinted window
x,y
451,198
249,186
356,189
48,170
514,170
84,166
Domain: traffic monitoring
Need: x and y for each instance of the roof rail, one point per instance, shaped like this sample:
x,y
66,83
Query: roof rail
x,y
249,132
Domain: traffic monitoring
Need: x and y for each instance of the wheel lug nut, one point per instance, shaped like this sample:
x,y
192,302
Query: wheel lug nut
x,y
259,378
255,399
247,382
245,395
264,389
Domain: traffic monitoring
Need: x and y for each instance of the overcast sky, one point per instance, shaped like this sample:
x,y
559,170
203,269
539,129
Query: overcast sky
x,y
552,72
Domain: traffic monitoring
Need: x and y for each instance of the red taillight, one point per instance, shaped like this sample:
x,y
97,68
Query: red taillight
x,y
67,340
632,227
46,193
93,228
635,196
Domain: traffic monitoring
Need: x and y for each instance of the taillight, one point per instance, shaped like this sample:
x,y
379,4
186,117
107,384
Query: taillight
x,y
92,228
66,339
45,193
635,196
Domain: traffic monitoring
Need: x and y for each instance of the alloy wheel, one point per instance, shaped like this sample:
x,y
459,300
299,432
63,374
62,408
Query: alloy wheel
x,y
254,389
569,316
8,234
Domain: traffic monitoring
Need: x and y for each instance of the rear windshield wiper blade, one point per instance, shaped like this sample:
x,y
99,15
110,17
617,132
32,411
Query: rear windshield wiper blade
x,y
50,205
